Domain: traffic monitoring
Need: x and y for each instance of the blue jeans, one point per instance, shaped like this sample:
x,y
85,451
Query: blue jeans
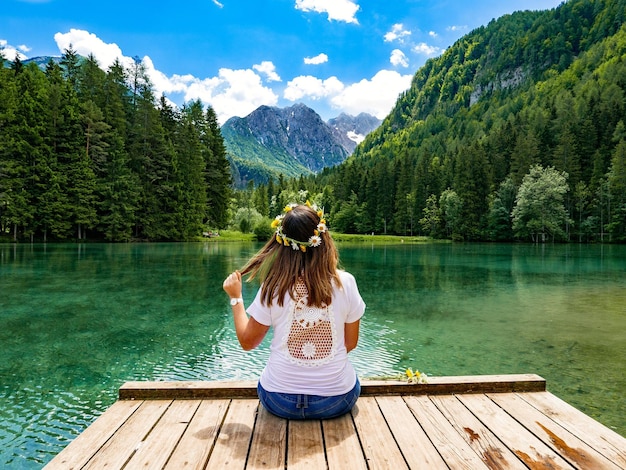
x,y
299,406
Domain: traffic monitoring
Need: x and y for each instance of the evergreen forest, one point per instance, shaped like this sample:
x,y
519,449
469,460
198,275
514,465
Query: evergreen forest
x,y
516,132
89,154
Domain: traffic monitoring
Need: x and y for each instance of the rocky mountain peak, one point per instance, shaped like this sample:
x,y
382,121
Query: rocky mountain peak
x,y
292,140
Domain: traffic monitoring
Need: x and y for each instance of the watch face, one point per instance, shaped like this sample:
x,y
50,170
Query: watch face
x,y
234,301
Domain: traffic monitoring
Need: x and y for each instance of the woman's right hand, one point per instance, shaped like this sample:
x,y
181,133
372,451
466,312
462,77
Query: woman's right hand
x,y
232,285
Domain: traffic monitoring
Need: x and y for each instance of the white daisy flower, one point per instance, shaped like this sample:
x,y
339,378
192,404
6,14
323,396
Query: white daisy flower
x,y
315,240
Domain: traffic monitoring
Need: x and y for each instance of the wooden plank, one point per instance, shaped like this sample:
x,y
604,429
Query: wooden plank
x,y
413,442
247,389
379,445
343,449
452,447
233,440
196,390
81,449
561,440
456,385
484,442
156,449
196,444
269,441
305,445
603,439
121,447
532,451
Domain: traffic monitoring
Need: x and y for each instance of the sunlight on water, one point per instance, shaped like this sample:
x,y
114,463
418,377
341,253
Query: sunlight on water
x,y
77,321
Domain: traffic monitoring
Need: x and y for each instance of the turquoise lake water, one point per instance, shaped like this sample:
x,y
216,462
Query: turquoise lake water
x,y
77,321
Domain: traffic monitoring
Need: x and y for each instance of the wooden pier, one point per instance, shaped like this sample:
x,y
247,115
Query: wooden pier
x,y
469,422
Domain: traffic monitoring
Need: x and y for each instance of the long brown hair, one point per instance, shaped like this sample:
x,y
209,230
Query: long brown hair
x,y
279,267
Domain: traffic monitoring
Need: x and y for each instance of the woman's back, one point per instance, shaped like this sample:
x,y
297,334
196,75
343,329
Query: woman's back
x,y
308,352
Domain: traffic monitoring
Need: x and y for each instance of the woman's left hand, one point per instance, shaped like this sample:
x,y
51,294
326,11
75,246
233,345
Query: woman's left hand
x,y
232,285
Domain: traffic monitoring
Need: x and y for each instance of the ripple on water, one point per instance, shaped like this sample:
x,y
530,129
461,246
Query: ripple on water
x,y
377,354
37,424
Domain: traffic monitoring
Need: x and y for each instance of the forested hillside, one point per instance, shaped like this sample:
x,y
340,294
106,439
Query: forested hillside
x,y
515,132
89,154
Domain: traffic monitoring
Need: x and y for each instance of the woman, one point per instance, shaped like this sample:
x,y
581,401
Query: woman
x,y
315,310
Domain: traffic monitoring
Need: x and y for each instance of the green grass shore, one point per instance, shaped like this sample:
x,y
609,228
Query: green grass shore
x,y
237,236
232,235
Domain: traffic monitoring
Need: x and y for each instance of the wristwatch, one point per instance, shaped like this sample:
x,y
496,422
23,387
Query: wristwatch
x,y
236,300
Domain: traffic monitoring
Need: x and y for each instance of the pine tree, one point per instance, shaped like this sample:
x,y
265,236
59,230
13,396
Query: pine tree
x,y
189,173
70,63
29,156
472,185
151,160
91,82
117,187
68,143
617,193
8,107
217,174
525,154
53,207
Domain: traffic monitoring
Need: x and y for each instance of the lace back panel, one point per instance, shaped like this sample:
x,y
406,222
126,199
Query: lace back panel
x,y
312,335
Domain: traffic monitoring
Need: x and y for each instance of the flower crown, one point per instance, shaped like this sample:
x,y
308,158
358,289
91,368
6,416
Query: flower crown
x,y
313,241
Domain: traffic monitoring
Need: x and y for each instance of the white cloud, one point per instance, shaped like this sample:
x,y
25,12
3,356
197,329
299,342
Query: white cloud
x,y
10,52
232,93
85,43
24,48
306,86
339,10
162,83
432,34
397,33
425,49
398,58
456,28
268,69
376,96
218,4
318,59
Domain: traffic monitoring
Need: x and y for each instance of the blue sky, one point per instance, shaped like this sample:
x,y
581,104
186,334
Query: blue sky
x,y
335,56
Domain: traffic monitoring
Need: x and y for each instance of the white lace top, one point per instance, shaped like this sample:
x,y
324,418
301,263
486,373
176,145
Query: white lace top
x,y
308,352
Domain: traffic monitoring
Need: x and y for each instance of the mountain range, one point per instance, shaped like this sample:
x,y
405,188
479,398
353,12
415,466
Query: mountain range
x,y
290,141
